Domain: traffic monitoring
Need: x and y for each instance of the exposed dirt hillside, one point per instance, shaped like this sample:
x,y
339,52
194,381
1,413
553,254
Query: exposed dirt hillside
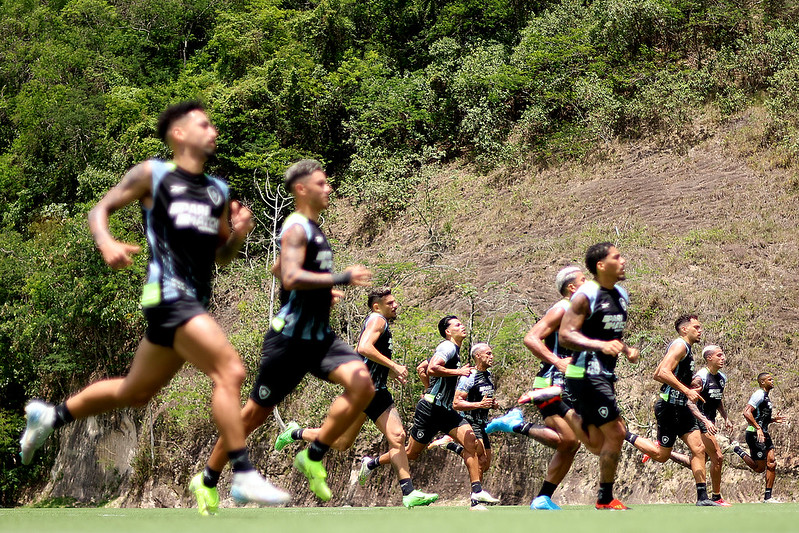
x,y
704,230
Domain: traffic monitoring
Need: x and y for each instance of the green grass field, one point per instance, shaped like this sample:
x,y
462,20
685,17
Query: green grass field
x,y
744,518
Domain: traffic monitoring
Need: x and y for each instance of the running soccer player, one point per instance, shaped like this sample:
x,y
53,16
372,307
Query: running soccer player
x,y
710,383
190,224
593,325
300,339
434,412
759,412
474,396
558,414
675,411
375,345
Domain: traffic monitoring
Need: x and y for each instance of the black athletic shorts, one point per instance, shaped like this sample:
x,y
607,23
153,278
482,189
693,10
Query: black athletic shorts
x,y
594,399
381,403
758,451
673,421
555,407
286,360
429,419
165,318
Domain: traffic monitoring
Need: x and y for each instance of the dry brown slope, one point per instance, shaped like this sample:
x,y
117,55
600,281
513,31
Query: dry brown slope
x,y
701,229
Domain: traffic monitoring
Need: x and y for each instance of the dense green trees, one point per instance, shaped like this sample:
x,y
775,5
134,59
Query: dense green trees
x,y
377,89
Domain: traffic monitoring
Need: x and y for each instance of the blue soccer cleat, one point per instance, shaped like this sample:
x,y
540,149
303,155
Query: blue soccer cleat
x,y
506,422
544,503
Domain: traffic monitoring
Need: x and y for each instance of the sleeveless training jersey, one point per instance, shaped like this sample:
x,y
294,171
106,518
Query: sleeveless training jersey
x,y
549,374
477,386
606,321
306,313
441,387
182,229
684,373
763,409
379,372
712,392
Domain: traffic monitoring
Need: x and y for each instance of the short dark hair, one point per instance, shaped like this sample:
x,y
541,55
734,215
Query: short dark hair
x,y
761,376
175,112
596,253
683,319
443,324
300,169
376,294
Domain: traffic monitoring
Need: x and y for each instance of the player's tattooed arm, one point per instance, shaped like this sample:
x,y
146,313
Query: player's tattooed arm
x,y
135,185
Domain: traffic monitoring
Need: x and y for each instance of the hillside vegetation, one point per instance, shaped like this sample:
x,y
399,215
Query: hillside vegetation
x,y
477,146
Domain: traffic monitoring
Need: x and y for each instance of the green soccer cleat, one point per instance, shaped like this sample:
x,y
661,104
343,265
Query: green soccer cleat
x,y
316,474
284,439
207,497
418,498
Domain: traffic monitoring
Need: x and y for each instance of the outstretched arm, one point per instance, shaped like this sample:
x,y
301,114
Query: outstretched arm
x,y
135,185
534,340
696,385
366,347
664,373
294,277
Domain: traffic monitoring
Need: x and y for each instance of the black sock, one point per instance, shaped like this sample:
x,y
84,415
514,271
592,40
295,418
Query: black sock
x,y
373,463
406,485
523,428
62,416
630,437
715,497
454,447
317,450
701,491
477,486
240,461
741,453
767,496
297,434
547,489
210,477
605,493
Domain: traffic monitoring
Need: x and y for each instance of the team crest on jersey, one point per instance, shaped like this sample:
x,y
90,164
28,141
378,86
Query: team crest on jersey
x,y
623,303
264,392
214,195
664,439
319,239
603,412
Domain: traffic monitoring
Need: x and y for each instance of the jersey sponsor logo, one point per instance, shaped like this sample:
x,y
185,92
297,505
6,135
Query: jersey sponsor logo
x,y
214,195
177,189
614,322
325,260
194,215
264,392
603,412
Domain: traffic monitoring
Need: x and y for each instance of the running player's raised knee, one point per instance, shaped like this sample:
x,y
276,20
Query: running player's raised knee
x,y
396,437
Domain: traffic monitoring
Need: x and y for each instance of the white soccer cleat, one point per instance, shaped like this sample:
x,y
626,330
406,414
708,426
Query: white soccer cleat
x,y
364,472
40,416
252,487
484,497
